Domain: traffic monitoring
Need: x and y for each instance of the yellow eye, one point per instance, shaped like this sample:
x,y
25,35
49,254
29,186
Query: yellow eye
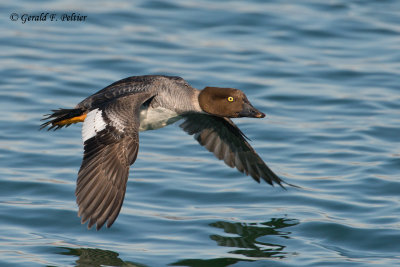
x,y
230,99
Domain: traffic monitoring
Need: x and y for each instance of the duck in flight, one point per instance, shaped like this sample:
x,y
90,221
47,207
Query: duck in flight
x,y
113,117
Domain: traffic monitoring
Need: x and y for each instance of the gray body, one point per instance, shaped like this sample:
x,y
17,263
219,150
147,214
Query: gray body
x,y
171,97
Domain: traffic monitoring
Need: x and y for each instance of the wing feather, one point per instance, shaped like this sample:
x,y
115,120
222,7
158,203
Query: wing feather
x,y
108,153
223,138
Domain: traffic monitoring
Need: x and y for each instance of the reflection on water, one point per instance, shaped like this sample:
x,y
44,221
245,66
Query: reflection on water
x,y
246,241
248,234
242,236
97,257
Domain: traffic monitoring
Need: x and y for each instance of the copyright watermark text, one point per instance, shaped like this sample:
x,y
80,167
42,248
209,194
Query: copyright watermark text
x,y
24,18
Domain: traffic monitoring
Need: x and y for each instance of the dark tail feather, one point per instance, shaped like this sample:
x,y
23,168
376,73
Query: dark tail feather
x,y
60,118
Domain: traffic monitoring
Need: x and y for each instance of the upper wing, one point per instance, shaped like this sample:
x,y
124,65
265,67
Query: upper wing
x,y
111,143
222,137
125,87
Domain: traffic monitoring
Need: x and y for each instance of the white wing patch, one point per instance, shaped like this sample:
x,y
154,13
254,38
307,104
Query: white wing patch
x,y
115,121
93,124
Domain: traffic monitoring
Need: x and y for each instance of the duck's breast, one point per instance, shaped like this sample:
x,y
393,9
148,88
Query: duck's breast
x,y
155,118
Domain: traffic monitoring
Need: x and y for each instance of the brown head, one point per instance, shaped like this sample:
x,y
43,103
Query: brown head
x,y
227,102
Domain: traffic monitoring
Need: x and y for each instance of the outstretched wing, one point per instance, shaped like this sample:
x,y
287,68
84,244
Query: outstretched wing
x,y
111,143
223,138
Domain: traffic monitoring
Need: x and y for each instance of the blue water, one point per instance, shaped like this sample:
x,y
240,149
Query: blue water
x,y
326,73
